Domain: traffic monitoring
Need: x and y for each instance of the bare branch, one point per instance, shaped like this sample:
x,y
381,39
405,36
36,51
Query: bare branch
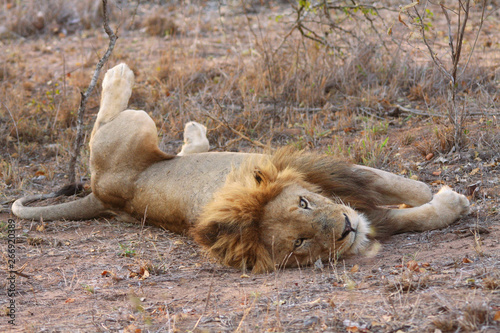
x,y
450,35
460,36
435,59
477,37
85,95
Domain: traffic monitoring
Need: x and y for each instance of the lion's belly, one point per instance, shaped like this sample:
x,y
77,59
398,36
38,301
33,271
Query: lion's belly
x,y
172,193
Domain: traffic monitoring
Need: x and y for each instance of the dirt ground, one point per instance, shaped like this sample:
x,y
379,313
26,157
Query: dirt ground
x,y
104,275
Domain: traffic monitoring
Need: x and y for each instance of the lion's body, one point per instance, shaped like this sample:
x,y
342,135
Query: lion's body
x,y
180,188
247,210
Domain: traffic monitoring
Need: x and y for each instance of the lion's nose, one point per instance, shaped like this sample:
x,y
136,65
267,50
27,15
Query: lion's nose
x,y
347,228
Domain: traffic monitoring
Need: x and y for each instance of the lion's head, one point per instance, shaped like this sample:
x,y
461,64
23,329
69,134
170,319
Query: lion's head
x,y
266,216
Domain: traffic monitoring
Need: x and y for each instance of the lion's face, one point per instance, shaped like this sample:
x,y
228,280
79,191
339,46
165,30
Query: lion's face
x,y
300,226
264,218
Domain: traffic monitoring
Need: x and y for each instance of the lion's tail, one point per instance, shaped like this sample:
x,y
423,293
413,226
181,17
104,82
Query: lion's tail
x,y
81,209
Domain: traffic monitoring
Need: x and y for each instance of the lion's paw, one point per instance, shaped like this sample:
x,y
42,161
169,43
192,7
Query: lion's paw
x,y
119,79
451,202
195,139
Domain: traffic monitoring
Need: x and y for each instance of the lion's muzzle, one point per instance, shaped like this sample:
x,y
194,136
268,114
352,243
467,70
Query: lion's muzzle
x,y
347,229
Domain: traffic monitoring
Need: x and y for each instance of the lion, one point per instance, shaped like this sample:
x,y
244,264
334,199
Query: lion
x,y
255,212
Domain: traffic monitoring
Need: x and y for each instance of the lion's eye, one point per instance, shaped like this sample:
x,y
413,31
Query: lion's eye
x,y
298,242
304,204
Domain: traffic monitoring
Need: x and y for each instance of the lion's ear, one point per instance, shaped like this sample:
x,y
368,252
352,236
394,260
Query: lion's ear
x,y
234,244
263,178
259,176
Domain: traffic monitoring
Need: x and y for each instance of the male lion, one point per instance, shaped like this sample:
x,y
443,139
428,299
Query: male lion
x,y
247,210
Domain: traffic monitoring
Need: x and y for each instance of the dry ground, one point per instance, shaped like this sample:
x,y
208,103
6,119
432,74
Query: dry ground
x,y
240,69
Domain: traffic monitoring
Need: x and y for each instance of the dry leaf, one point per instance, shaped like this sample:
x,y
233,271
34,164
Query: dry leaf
x,y
413,4
144,274
332,303
69,300
429,156
473,172
355,268
437,173
401,20
466,260
412,265
497,316
132,329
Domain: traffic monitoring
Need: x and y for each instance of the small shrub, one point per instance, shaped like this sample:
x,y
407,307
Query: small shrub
x,y
159,25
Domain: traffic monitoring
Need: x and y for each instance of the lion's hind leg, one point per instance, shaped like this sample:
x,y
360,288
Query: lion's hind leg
x,y
195,139
445,208
116,91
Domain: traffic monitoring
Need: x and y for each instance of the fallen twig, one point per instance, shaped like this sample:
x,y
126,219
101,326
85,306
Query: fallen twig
x,y
422,113
418,112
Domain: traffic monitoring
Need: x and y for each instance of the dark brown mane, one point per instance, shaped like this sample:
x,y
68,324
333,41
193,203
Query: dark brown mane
x,y
336,178
229,226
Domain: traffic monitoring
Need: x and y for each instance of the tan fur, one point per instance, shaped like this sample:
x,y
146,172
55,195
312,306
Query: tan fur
x,y
248,210
195,139
254,219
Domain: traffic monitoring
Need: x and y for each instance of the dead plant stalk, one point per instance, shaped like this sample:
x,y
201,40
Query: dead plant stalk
x,y
85,95
457,113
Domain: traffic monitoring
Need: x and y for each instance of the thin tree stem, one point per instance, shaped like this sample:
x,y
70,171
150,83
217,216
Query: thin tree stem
x,y
77,145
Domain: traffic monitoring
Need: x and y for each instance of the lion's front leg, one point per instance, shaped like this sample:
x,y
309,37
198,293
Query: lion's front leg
x,y
396,190
445,208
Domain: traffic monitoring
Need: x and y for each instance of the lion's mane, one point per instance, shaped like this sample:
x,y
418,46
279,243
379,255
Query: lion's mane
x,y
229,226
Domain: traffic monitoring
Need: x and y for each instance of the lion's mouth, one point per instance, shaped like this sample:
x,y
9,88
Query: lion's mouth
x,y
359,240
347,228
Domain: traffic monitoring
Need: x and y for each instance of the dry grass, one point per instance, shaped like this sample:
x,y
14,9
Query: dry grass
x,y
471,318
28,18
157,24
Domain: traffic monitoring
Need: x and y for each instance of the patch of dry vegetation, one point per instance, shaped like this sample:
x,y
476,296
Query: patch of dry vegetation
x,y
37,18
472,318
